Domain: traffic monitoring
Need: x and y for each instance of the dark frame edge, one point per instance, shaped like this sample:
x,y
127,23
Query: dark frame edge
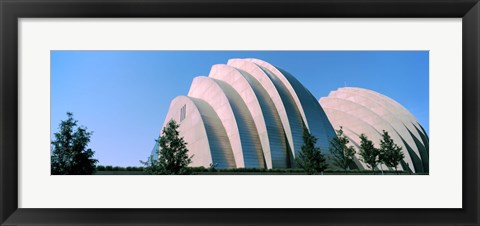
x,y
8,113
471,94
11,215
474,22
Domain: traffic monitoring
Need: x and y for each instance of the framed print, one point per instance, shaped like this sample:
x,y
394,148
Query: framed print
x,y
242,80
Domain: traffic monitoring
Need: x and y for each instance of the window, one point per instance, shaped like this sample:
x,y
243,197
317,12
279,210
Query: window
x,y
183,113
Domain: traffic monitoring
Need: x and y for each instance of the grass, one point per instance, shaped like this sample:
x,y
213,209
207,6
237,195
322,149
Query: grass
x,y
119,173
243,171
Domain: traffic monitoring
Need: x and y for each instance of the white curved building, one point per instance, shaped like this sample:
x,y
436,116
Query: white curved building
x,y
250,114
364,111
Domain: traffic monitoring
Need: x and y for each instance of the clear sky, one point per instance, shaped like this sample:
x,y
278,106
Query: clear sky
x,y
123,96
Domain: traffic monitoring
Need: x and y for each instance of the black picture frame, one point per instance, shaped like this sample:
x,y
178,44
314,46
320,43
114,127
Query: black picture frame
x,y
12,10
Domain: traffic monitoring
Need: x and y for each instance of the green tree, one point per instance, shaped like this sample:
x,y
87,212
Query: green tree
x,y
70,155
310,158
368,152
390,153
341,153
173,154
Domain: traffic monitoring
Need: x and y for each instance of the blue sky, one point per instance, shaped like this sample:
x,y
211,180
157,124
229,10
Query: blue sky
x,y
123,96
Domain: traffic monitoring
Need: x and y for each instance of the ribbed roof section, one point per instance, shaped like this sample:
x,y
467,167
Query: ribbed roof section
x,y
360,110
262,110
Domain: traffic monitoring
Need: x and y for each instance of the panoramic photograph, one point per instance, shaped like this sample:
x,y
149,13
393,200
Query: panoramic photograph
x,y
239,112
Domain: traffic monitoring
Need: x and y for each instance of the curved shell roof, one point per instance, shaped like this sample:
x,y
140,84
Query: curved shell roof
x,y
262,110
260,107
236,120
360,110
311,113
202,120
